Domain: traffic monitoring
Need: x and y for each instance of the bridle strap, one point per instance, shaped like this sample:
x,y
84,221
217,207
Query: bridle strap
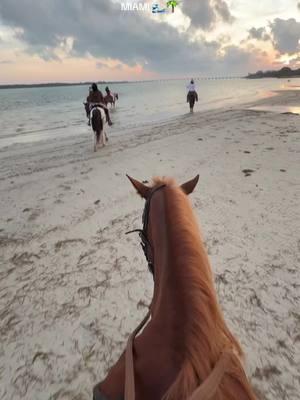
x,y
129,364
204,392
145,243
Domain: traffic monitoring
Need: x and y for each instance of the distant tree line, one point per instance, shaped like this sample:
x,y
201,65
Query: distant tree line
x,y
284,72
58,84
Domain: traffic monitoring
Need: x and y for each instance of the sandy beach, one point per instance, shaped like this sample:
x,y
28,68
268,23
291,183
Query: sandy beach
x,y
73,285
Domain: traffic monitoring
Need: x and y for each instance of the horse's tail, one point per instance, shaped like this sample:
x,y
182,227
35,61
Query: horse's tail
x,y
97,123
117,96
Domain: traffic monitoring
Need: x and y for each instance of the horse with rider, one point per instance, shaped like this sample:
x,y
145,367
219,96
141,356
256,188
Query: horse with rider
x,y
192,95
98,114
110,97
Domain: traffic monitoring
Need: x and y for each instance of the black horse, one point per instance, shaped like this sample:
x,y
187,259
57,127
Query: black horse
x,y
191,98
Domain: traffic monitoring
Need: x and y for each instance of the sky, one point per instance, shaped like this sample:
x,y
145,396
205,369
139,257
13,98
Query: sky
x,y
92,40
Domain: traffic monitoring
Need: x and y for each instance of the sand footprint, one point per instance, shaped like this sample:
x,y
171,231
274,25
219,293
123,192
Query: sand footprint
x,y
63,244
248,172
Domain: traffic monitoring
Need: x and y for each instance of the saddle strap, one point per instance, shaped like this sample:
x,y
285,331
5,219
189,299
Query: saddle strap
x,y
210,386
204,392
129,365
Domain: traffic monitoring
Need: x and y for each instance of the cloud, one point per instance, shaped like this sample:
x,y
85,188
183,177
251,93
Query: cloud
x,y
201,13
285,35
99,28
205,13
259,34
237,59
103,31
102,65
222,9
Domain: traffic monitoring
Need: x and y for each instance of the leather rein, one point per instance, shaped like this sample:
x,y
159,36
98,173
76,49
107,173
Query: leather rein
x,y
145,242
210,385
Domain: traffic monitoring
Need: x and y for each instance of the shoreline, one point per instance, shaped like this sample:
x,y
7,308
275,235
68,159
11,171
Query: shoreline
x,y
145,126
29,135
73,285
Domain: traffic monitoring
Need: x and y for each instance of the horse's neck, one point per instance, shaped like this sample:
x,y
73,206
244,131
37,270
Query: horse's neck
x,y
184,298
185,309
174,253
160,351
163,340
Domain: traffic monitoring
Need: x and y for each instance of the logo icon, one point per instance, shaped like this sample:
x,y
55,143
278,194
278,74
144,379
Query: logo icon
x,y
172,4
156,9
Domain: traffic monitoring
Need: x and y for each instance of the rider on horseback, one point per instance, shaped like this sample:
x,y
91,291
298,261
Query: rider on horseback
x,y
192,95
110,97
95,98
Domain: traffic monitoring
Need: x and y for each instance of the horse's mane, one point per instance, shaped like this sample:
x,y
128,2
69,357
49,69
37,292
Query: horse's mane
x,y
206,334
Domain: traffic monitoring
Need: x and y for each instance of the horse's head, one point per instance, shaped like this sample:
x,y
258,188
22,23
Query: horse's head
x,y
144,191
150,194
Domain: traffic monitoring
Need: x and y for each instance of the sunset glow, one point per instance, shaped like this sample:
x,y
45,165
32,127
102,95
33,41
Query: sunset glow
x,y
209,38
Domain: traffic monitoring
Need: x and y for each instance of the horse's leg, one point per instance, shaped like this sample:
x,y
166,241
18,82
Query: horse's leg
x,y
103,138
98,137
95,141
103,133
192,103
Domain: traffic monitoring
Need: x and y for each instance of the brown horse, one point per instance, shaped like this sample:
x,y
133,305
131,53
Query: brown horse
x,y
111,99
186,351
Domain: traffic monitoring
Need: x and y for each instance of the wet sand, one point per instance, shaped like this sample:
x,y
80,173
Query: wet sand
x,y
73,285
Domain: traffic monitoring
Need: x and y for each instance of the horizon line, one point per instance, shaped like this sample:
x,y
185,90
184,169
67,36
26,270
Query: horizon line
x,y
81,83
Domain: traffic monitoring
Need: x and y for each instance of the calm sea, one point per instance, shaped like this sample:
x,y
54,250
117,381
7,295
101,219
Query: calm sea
x,y
35,114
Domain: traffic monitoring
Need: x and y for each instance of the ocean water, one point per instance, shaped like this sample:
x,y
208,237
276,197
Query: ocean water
x,y
36,114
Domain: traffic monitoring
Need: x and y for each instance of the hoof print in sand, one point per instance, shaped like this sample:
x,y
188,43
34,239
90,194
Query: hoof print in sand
x,y
25,258
248,172
63,244
266,372
34,215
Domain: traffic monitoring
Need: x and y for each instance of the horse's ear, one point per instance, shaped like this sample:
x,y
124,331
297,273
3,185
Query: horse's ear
x,y
142,189
188,187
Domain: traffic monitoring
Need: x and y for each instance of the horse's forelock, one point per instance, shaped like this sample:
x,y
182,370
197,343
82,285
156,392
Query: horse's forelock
x,y
157,181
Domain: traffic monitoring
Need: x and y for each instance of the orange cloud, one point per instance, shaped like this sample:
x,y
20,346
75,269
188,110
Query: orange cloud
x,y
26,69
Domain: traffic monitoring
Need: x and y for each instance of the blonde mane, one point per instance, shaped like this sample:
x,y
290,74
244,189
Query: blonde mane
x,y
206,334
